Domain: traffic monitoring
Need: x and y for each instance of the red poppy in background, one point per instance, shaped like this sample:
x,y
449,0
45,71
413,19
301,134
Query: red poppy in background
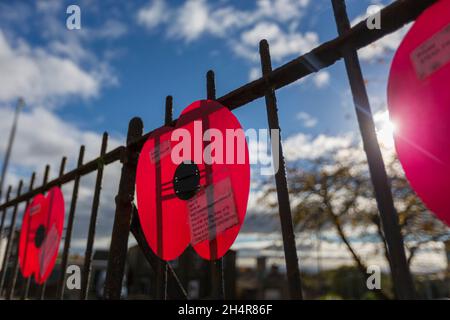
x,y
40,235
419,105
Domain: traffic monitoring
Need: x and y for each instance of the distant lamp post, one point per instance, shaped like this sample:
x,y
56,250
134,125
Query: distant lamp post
x,y
20,104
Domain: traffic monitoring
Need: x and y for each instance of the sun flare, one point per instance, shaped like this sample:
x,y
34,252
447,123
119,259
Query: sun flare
x,y
385,129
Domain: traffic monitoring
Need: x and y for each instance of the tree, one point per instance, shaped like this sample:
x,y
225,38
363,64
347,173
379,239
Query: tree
x,y
335,191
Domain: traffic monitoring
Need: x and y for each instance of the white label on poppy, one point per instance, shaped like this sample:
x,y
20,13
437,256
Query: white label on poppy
x,y
432,54
35,209
48,249
160,151
212,211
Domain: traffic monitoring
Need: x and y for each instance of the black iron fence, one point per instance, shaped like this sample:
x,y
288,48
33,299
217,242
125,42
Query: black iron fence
x,y
345,47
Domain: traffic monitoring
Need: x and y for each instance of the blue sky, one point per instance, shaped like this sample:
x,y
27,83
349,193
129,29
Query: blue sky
x,y
135,60
129,55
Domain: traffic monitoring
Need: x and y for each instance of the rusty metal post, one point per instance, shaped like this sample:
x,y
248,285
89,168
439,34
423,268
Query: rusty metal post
x,y
230,274
27,283
69,226
401,276
61,173
92,224
8,194
155,262
287,229
210,85
152,258
161,272
5,210
217,285
168,116
10,294
12,227
121,228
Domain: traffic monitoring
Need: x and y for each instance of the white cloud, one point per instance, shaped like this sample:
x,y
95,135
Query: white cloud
x,y
44,138
321,79
389,43
307,120
153,14
111,29
274,20
283,10
58,65
302,146
40,76
191,20
254,73
196,18
282,44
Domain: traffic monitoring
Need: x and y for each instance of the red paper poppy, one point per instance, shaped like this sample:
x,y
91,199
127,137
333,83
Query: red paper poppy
x,y
188,200
418,101
40,235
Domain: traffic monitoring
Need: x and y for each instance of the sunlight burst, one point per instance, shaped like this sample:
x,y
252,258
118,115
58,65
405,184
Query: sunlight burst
x,y
385,129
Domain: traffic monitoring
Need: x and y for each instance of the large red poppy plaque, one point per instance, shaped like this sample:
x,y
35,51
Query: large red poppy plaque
x,y
193,182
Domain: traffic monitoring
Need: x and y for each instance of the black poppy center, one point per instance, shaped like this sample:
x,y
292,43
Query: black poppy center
x,y
186,180
40,236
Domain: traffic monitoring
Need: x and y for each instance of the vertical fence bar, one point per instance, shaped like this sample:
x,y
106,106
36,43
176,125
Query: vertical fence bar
x,y
217,285
68,235
168,115
230,274
9,244
152,258
210,85
122,219
92,224
287,229
2,224
10,294
168,118
61,173
27,283
161,272
400,273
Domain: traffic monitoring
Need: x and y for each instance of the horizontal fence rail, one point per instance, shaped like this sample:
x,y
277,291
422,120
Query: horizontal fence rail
x,y
126,221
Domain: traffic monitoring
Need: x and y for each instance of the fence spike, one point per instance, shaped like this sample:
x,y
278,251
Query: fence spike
x,y
10,294
92,224
287,229
68,235
210,85
10,240
122,218
400,273
169,111
8,194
